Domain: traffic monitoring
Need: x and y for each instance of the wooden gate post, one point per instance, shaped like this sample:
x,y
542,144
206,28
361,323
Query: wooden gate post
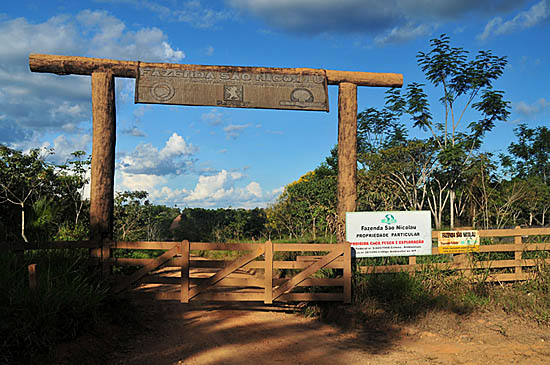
x,y
268,273
103,164
347,153
518,253
184,252
347,273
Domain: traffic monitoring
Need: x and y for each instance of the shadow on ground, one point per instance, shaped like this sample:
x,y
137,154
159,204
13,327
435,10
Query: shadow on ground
x,y
246,333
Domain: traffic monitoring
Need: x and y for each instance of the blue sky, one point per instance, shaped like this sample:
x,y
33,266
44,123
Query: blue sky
x,y
220,157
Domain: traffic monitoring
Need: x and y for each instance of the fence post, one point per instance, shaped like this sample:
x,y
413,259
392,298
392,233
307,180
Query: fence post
x,y
103,165
268,272
33,282
463,261
184,251
518,253
347,272
347,154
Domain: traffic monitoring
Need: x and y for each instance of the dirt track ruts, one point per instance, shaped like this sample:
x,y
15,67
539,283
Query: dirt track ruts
x,y
249,334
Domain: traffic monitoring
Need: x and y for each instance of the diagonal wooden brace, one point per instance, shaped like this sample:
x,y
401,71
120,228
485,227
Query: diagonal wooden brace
x,y
226,271
146,269
304,274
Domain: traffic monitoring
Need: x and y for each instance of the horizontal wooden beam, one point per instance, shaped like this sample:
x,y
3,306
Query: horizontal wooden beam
x,y
510,277
254,297
304,247
318,297
241,282
464,265
507,248
202,246
73,65
143,245
219,264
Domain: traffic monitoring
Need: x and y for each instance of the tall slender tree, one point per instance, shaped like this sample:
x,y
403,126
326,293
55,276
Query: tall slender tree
x,y
467,94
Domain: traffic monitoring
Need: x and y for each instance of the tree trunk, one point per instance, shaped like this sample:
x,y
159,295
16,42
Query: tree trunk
x,y
347,152
23,223
103,162
452,208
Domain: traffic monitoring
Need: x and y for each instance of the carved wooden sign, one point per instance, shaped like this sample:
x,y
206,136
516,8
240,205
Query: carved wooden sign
x,y
234,87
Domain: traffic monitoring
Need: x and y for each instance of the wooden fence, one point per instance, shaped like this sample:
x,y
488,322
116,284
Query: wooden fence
x,y
505,268
252,274
248,279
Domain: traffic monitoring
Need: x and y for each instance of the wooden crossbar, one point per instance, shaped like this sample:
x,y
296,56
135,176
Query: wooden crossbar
x,y
177,262
73,65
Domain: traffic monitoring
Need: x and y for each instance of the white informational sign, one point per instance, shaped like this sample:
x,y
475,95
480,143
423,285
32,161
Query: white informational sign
x,y
378,234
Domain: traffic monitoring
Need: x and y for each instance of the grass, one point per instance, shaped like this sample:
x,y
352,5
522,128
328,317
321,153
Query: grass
x,y
68,301
403,296
530,298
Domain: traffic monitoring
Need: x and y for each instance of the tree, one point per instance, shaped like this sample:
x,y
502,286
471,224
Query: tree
x,y
303,207
467,88
530,156
528,161
24,178
406,167
73,178
219,225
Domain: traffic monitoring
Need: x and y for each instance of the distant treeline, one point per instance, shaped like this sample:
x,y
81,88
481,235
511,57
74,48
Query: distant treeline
x,y
41,201
217,225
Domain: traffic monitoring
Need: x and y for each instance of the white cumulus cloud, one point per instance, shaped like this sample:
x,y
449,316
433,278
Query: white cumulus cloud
x,y
175,158
64,146
134,182
217,191
214,187
33,103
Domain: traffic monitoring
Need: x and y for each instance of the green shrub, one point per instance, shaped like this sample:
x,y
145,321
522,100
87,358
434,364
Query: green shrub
x,y
68,300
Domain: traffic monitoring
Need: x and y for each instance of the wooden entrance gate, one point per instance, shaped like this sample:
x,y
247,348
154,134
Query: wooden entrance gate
x,y
104,72
265,272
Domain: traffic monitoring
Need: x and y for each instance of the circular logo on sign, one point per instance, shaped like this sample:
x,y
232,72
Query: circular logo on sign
x,y
162,91
301,95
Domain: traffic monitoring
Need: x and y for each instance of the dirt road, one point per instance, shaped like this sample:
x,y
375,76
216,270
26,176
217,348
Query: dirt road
x,y
247,334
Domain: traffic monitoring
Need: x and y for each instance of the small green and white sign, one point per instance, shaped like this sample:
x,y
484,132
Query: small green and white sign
x,y
379,234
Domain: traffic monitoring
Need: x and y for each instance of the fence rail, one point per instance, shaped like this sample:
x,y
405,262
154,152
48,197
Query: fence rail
x,y
492,270
521,267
